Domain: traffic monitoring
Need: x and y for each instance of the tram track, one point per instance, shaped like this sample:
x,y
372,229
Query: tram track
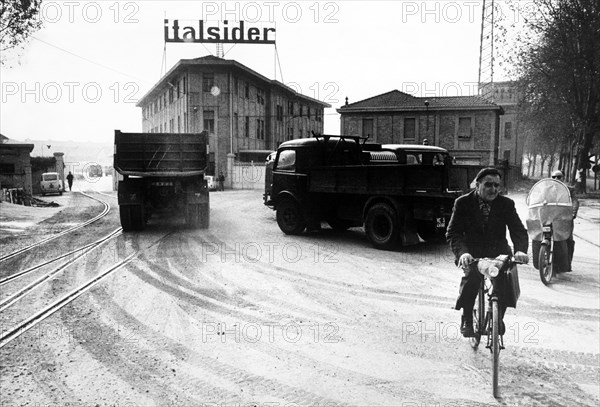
x,y
38,316
105,211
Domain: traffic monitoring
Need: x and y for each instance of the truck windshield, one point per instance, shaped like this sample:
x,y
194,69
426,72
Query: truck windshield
x,y
50,177
286,161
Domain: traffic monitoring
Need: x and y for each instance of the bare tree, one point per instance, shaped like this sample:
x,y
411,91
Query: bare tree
x,y
18,20
559,64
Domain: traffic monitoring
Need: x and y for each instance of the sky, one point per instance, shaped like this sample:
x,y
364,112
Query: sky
x,y
81,75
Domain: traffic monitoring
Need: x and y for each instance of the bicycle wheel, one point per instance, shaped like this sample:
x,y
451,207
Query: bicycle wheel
x,y
478,318
545,264
495,347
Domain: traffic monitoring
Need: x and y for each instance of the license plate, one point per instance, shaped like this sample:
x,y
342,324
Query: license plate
x,y
441,223
546,229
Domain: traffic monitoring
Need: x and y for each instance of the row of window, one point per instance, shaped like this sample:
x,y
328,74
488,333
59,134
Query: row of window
x,y
465,130
172,126
176,90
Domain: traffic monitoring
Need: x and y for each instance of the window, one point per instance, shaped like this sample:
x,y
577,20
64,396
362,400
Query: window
x,y
208,81
235,86
178,124
367,128
508,130
209,120
247,91
235,125
7,168
172,126
464,128
308,111
290,108
409,128
301,108
286,161
260,96
260,130
290,134
279,111
184,85
319,115
247,127
185,128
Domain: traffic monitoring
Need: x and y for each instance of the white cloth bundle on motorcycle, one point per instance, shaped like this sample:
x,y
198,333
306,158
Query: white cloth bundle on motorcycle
x,y
549,203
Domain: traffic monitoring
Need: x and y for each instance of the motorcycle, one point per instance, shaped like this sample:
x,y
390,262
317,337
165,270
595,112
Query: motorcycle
x,y
549,225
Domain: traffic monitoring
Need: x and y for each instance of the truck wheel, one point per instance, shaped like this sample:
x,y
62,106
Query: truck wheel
x,y
125,215
138,218
381,226
290,218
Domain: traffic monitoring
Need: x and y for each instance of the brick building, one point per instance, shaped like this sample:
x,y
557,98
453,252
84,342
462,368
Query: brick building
x,y
15,164
467,126
511,142
243,111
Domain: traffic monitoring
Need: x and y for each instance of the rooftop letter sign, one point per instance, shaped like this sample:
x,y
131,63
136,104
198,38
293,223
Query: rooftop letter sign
x,y
202,31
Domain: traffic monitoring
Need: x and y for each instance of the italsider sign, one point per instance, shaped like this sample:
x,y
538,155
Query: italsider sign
x,y
219,33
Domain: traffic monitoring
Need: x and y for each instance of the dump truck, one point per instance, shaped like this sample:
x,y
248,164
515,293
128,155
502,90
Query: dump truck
x,y
402,194
161,171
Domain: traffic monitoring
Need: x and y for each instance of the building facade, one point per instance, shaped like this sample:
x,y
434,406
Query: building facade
x,y
15,165
243,111
511,142
467,126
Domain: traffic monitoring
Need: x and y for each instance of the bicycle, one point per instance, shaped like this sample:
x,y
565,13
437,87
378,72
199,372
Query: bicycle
x,y
486,315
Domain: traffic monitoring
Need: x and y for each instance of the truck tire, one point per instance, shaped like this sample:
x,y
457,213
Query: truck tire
x,y
138,217
132,217
290,218
381,226
125,215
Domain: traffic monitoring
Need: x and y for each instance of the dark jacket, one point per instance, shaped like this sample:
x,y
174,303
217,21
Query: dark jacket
x,y
466,232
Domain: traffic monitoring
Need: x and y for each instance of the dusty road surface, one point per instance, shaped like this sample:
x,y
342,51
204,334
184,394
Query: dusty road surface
x,y
241,314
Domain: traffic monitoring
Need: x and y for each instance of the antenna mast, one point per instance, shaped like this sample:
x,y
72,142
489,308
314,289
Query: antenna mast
x,y
486,52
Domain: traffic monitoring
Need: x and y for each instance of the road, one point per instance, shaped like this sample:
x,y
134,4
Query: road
x,y
241,314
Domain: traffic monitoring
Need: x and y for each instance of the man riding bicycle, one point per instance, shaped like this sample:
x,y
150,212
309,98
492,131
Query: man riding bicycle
x,y
477,228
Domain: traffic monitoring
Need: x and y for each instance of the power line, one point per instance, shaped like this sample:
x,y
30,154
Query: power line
x,y
89,60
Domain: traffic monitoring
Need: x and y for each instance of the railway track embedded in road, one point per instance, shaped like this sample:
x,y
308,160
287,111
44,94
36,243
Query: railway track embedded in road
x,y
102,214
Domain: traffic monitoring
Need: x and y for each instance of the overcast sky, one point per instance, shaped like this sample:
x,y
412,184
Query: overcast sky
x,y
81,75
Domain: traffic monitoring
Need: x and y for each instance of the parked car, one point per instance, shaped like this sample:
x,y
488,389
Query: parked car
x,y
51,183
212,183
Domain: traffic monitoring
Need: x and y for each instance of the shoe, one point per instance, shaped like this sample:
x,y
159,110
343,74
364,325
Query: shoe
x,y
466,327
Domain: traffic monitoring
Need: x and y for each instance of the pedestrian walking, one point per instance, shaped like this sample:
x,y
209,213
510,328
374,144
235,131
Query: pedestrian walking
x,y
221,181
70,180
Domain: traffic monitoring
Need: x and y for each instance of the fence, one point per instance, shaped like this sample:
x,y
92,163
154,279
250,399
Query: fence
x,y
248,175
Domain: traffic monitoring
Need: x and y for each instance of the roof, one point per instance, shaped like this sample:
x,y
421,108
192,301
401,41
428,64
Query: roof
x,y
213,61
5,142
400,101
355,141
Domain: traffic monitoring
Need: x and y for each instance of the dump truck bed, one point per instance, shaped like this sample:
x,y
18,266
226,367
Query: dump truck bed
x,y
160,154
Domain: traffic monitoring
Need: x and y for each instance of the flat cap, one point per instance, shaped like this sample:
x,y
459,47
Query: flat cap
x,y
488,171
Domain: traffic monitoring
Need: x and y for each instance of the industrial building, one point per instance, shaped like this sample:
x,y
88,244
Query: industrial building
x,y
245,113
